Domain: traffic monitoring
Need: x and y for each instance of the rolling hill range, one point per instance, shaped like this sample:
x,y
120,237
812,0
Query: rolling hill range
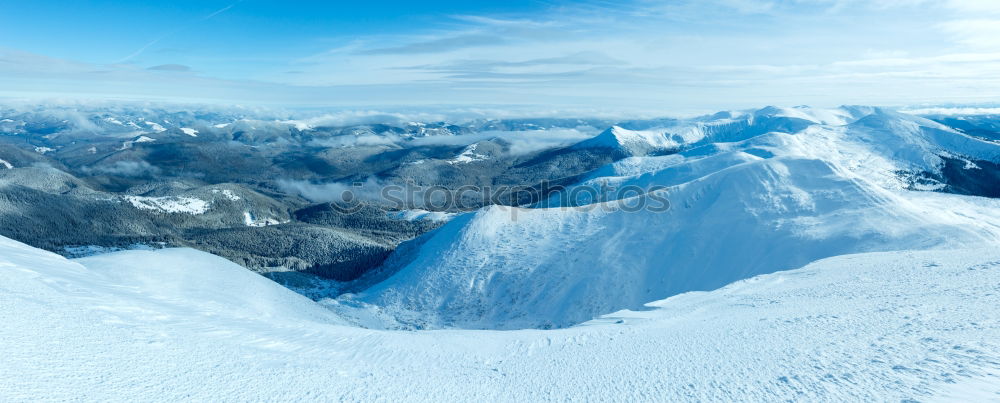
x,y
789,187
263,189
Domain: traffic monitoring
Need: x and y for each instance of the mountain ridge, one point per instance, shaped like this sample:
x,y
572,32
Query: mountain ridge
x,y
736,207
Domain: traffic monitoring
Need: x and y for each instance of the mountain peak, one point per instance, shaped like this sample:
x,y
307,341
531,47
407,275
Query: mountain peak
x,y
630,142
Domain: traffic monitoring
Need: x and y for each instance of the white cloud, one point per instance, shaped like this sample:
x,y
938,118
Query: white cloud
x,y
974,6
645,56
980,33
520,142
125,168
333,191
353,141
962,111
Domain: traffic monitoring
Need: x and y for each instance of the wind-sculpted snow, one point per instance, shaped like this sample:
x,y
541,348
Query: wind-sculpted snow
x,y
180,325
198,282
767,202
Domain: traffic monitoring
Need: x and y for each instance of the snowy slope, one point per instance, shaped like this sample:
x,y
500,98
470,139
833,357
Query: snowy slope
x,y
631,142
720,127
178,325
763,202
198,282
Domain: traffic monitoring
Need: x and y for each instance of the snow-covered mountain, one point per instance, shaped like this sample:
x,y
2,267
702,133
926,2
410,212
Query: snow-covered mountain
x,y
727,126
687,298
146,174
786,187
631,142
181,325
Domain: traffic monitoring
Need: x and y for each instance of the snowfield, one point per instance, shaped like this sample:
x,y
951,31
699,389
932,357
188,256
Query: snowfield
x,y
228,194
418,214
181,325
251,221
156,127
468,155
169,204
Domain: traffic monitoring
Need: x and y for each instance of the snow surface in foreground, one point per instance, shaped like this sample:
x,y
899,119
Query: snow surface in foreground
x,y
182,325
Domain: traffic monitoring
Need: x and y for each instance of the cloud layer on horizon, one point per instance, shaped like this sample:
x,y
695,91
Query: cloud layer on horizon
x,y
646,55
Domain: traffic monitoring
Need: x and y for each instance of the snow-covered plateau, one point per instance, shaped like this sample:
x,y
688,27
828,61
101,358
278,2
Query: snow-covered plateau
x,y
806,255
182,325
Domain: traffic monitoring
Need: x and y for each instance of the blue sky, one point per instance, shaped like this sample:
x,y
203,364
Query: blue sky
x,y
642,55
